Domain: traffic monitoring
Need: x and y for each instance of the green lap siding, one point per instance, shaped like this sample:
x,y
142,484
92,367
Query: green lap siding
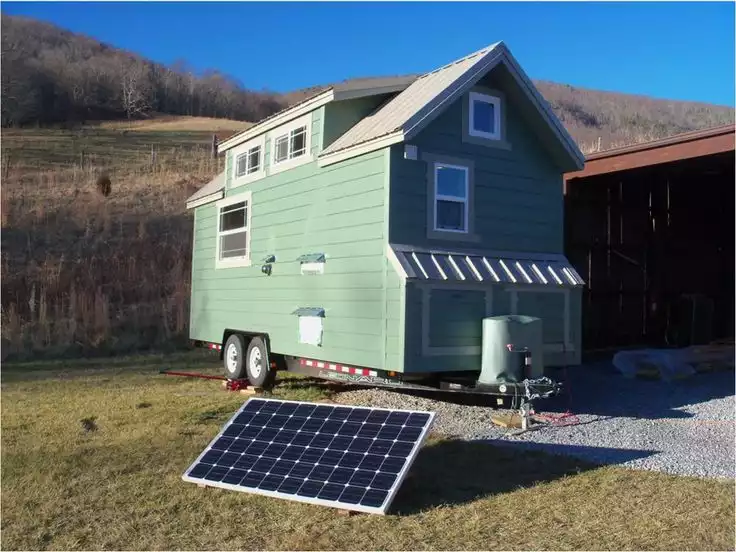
x,y
518,204
338,211
455,318
550,308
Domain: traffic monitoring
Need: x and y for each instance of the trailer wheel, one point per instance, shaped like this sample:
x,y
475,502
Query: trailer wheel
x,y
257,366
233,358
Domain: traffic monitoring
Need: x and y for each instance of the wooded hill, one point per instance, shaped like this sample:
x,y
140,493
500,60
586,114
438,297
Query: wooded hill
x,y
52,76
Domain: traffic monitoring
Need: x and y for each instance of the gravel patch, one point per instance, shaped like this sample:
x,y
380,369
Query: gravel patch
x,y
683,428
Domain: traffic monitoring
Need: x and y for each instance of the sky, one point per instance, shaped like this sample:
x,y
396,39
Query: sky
x,y
673,50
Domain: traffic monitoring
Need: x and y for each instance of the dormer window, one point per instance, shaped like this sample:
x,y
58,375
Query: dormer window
x,y
290,145
485,116
248,162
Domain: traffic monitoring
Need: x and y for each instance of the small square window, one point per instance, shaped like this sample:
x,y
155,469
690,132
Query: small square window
x,y
485,116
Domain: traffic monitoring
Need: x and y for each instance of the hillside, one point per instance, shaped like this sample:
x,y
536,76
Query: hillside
x,y
54,76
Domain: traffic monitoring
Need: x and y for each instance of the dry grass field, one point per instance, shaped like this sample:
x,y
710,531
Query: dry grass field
x,y
93,452
85,272
174,123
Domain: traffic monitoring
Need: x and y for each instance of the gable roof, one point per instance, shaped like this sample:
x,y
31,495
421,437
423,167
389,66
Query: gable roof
x,y
355,88
410,111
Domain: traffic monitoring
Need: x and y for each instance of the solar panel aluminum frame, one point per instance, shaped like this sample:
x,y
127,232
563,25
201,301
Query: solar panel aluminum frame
x,y
318,501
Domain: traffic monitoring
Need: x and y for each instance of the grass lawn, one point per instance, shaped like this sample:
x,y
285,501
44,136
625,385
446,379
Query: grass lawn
x,y
119,486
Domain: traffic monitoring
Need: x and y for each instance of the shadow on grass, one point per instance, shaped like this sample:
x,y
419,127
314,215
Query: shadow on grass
x,y
448,473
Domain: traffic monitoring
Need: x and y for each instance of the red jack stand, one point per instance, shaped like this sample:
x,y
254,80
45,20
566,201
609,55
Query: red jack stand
x,y
227,383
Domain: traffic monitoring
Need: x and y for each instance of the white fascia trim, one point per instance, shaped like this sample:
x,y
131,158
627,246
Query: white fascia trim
x,y
259,128
360,149
544,108
205,200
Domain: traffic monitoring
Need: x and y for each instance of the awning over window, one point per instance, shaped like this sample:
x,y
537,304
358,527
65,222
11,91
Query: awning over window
x,y
489,267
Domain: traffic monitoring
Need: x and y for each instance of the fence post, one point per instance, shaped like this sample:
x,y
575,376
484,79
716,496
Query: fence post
x,y
214,146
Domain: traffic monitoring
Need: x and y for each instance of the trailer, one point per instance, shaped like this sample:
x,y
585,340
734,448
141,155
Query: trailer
x,y
398,232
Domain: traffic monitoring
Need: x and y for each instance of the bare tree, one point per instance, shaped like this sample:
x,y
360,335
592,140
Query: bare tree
x,y
136,90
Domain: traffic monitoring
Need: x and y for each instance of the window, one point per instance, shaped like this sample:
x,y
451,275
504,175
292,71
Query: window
x,y
248,162
485,116
233,231
450,198
290,145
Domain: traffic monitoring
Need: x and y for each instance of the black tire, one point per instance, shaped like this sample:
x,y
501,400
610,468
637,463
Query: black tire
x,y
257,365
233,357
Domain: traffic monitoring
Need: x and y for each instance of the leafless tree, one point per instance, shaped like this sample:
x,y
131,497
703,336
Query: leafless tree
x,y
136,90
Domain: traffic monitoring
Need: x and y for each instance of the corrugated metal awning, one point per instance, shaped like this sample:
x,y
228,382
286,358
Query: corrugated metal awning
x,y
490,267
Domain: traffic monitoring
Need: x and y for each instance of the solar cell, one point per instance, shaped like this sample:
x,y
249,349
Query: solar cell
x,y
347,457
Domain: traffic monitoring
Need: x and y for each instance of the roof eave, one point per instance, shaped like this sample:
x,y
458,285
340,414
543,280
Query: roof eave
x,y
205,199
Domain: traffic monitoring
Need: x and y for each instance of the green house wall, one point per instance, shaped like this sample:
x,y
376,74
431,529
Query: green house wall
x,y
340,211
517,206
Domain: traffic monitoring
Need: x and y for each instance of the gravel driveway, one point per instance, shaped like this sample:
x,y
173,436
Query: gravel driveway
x,y
685,427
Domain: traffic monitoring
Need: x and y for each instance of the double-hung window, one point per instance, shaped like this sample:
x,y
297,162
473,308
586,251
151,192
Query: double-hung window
x,y
451,198
248,162
484,112
233,231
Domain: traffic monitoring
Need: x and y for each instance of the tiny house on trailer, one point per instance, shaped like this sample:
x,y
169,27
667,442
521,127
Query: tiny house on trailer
x,y
365,233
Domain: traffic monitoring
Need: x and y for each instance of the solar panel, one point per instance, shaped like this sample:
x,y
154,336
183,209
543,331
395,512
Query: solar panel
x,y
352,458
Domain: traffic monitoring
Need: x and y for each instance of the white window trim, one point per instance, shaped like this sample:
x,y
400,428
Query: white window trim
x,y
237,261
243,149
305,121
568,346
496,102
438,197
